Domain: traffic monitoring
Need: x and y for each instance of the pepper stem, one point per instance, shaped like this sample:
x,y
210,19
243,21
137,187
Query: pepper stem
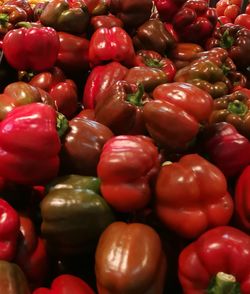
x,y
224,283
4,19
61,124
227,41
237,107
152,62
24,24
136,98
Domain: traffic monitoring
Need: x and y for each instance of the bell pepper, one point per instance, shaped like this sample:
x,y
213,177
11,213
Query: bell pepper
x,y
128,164
192,196
73,56
217,262
152,35
234,109
236,40
120,108
99,79
153,59
168,8
149,77
21,93
31,253
105,21
82,146
226,148
23,4
195,21
133,13
66,284
173,118
12,279
112,44
40,50
9,16
86,113
85,215
66,16
9,229
62,91
97,7
29,144
129,259
184,53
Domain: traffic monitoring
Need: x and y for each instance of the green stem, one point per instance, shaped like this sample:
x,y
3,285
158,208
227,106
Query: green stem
x,y
152,62
61,124
4,19
24,24
227,41
224,283
136,98
237,107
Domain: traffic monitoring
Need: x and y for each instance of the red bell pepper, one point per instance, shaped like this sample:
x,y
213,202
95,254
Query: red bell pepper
x,y
105,21
24,4
126,167
9,229
195,21
29,144
218,262
192,196
168,8
226,148
34,49
66,284
99,79
242,200
112,44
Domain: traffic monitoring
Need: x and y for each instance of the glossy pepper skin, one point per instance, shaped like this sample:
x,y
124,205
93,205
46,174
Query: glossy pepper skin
x,y
9,229
66,284
139,265
152,35
82,146
220,250
23,4
12,279
63,91
40,52
99,79
173,118
85,215
105,21
226,148
236,40
195,21
66,16
128,164
112,44
153,59
120,108
21,93
29,144
97,7
133,13
192,196
234,109
73,54
168,8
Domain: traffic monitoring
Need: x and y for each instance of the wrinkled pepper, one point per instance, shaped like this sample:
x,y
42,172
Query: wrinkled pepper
x,y
40,50
66,284
234,109
99,79
152,35
128,164
66,16
226,148
112,44
168,8
138,264
195,21
153,59
30,144
9,229
132,13
23,4
173,118
217,262
192,196
74,215
12,279
105,21
82,145
120,108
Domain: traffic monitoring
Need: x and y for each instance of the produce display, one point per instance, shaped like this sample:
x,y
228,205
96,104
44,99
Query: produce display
x,y
124,147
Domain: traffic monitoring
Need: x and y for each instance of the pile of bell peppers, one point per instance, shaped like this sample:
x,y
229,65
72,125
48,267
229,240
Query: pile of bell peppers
x,y
124,148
